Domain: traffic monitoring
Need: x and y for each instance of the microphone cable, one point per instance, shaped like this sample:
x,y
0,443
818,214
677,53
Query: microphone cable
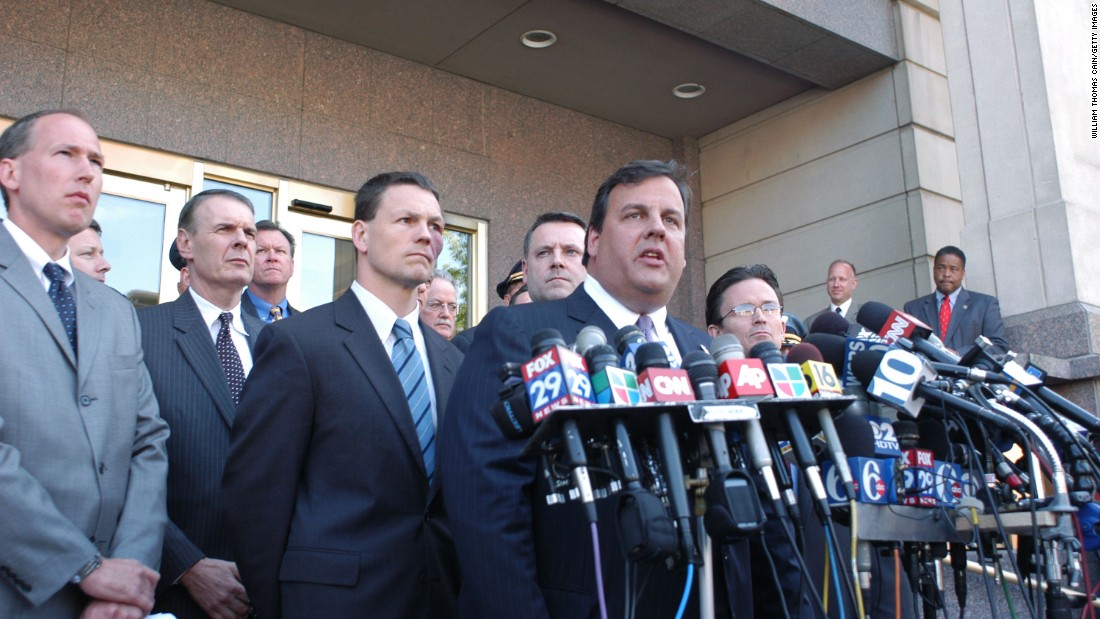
x,y
599,569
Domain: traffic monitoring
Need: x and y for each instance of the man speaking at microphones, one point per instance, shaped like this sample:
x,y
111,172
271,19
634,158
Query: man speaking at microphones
x,y
521,557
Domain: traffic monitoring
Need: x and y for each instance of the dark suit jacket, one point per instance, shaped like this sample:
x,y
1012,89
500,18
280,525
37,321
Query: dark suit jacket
x,y
519,557
974,314
328,503
248,307
82,455
194,397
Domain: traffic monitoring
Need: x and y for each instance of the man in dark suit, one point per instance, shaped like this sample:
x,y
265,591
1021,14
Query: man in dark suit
x,y
198,349
332,487
265,296
82,457
966,314
840,282
519,556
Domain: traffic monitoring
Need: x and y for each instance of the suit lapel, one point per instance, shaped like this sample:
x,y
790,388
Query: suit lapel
x,y
15,269
197,347
364,346
581,308
87,332
958,314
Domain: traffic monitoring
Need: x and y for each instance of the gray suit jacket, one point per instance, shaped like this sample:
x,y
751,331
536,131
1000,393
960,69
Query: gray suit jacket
x,y
190,384
853,311
974,314
82,447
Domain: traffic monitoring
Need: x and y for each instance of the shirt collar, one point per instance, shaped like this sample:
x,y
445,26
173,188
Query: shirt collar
x,y
211,314
954,296
383,318
843,306
37,257
263,308
622,316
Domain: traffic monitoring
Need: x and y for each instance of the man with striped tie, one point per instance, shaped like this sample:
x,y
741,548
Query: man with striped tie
x,y
332,487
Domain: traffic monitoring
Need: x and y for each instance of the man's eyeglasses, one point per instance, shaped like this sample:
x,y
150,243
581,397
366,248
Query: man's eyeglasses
x,y
746,310
437,306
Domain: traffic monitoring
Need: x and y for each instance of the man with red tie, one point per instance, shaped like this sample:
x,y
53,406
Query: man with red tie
x,y
958,316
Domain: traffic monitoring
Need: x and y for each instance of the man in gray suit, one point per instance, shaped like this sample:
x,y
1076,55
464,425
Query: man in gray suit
x,y
82,448
198,351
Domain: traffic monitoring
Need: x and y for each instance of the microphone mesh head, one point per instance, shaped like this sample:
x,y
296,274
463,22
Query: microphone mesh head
x,y
626,336
800,353
830,322
700,367
544,340
873,315
726,347
766,352
588,337
650,355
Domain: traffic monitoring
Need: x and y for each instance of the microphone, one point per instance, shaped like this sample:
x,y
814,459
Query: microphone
x,y
657,382
787,381
610,383
511,412
823,383
588,337
894,326
831,323
627,341
730,359
555,376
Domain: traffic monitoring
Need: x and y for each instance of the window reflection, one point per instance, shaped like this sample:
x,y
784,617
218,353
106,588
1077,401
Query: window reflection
x,y
327,268
261,200
455,260
133,232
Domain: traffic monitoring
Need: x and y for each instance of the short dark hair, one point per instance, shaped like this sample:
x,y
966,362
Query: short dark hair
x,y
951,250
95,226
267,224
545,218
733,276
370,194
16,139
632,174
187,215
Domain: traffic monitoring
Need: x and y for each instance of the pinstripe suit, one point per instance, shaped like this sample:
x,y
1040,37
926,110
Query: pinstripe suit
x,y
191,385
82,461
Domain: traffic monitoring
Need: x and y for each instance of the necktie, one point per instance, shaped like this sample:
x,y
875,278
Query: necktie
x,y
839,311
410,370
230,358
62,299
276,313
645,323
945,317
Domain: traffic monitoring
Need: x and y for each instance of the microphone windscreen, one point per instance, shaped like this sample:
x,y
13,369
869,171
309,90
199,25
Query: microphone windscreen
x,y
766,352
588,337
857,437
801,353
832,347
651,355
830,322
865,363
599,357
700,367
873,315
626,336
726,347
545,339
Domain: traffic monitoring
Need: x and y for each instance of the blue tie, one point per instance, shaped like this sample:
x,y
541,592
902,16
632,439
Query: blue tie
x,y
410,370
62,299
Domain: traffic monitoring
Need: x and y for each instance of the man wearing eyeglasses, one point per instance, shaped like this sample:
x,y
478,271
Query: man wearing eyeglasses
x,y
439,307
746,302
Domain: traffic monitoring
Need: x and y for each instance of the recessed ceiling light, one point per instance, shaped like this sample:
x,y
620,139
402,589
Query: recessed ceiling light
x,y
689,90
538,39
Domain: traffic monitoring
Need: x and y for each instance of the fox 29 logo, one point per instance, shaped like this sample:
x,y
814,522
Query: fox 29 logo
x,y
556,378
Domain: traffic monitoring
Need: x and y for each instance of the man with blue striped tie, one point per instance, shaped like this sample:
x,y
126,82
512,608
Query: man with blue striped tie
x,y
332,488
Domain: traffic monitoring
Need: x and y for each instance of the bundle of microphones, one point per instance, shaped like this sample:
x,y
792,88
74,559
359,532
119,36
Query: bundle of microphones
x,y
629,421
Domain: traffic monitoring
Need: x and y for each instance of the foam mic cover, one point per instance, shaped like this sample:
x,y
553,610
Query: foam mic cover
x,y
933,437
856,435
766,352
626,336
587,338
865,364
831,347
544,340
600,357
830,322
726,346
651,355
800,353
703,373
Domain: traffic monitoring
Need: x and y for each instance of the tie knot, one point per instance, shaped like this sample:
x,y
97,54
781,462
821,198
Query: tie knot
x,y
226,318
401,330
276,312
946,302
54,272
645,323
